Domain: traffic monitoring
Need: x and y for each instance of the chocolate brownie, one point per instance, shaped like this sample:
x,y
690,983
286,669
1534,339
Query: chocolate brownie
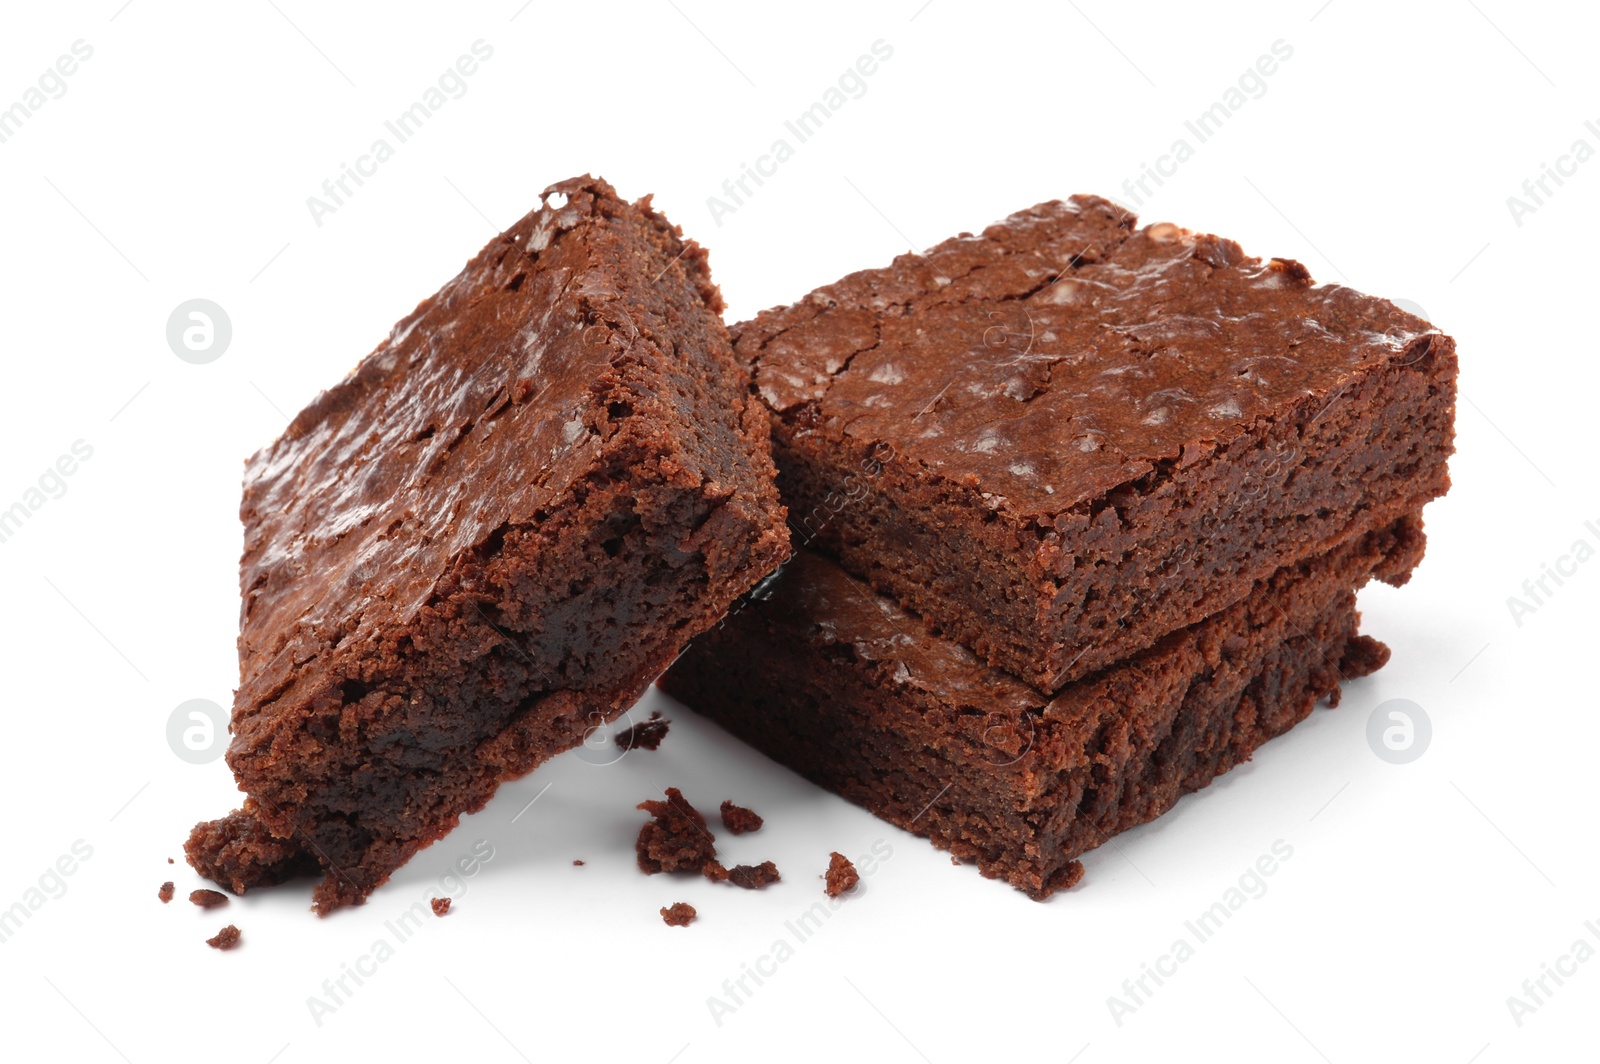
x,y
646,735
238,852
227,938
841,875
678,914
754,877
676,838
166,891
838,683
738,819
1066,437
489,538
208,899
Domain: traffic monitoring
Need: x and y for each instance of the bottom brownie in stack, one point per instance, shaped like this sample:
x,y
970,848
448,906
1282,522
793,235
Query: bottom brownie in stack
x,y
840,684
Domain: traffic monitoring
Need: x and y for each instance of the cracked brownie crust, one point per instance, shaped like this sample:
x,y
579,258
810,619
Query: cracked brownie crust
x,y
1063,438
838,683
493,534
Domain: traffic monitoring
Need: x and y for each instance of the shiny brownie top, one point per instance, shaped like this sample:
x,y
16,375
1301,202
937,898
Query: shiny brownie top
x,y
477,412
1063,351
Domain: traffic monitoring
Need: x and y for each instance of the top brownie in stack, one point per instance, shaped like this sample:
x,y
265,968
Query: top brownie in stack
x,y
1062,439
492,536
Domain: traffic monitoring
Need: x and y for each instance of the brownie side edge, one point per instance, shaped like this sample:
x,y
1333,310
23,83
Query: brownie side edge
x,y
917,731
1108,578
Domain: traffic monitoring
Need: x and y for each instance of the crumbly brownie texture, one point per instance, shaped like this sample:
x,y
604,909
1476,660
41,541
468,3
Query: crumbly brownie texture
x,y
678,914
227,938
676,839
646,735
238,852
208,899
754,877
1066,437
489,538
738,819
841,875
166,891
440,906
847,689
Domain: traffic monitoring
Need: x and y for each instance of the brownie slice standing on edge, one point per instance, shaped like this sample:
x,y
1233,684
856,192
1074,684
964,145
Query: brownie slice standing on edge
x,y
833,680
1066,437
491,537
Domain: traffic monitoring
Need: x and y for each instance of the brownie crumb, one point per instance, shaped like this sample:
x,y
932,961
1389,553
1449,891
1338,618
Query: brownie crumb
x,y
841,876
1363,655
576,861
754,877
440,906
677,839
738,819
208,899
165,893
227,938
238,852
679,914
714,871
646,735
169,860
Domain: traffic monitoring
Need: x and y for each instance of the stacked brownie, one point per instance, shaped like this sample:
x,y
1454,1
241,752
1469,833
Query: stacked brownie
x,y
487,541
1081,510
1080,513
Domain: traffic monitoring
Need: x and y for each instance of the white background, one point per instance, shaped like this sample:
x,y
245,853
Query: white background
x,y
177,165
